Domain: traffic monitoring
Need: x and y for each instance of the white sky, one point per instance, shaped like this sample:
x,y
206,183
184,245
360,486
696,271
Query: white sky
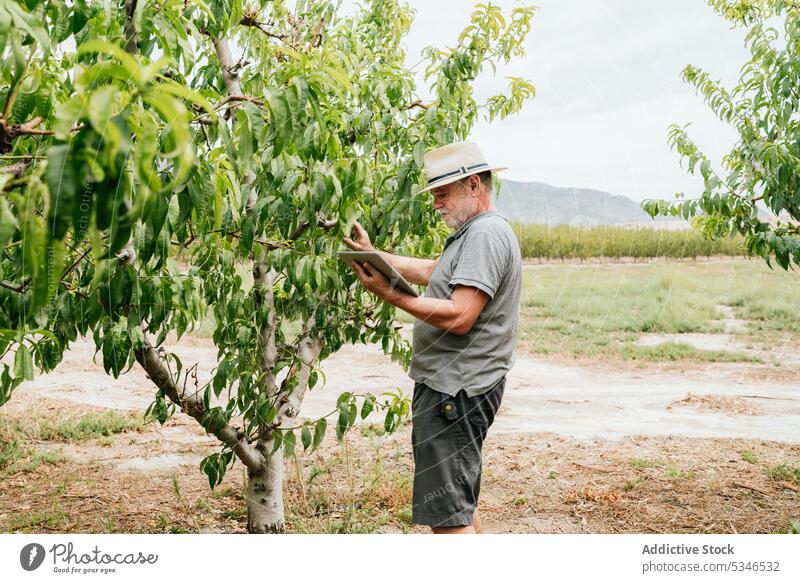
x,y
607,76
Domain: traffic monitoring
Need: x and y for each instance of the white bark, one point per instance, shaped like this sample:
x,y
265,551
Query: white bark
x,y
229,74
265,512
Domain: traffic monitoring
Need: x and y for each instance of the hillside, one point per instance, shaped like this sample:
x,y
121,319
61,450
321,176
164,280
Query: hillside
x,y
535,202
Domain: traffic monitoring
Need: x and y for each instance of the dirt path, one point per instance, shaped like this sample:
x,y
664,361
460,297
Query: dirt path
x,y
569,401
574,449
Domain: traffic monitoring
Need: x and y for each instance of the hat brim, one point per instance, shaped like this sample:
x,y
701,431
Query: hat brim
x,y
452,179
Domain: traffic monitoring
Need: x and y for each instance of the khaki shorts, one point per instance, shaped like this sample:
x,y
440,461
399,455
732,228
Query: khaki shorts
x,y
447,438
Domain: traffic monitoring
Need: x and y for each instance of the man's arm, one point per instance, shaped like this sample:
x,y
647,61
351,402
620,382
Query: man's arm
x,y
456,315
413,269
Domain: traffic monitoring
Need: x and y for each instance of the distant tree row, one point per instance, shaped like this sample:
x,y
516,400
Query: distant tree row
x,y
566,242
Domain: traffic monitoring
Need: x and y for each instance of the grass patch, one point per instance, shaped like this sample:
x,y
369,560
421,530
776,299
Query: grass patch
x,y
372,430
641,463
89,426
53,517
16,458
681,474
673,351
10,453
749,456
600,311
784,473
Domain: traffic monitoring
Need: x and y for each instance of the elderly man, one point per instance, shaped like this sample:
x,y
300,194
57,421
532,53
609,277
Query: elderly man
x,y
464,335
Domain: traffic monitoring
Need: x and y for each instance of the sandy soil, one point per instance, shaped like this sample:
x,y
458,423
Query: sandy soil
x,y
541,396
148,481
574,449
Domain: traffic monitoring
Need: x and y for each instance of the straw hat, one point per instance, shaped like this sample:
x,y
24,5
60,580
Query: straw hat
x,y
453,162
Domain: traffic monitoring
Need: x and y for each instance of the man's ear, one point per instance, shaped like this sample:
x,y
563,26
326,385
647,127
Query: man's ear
x,y
474,183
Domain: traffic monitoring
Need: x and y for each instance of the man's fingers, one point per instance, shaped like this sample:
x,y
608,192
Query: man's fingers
x,y
361,233
359,270
348,241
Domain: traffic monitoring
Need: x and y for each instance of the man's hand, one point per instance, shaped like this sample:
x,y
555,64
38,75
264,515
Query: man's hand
x,y
361,241
374,280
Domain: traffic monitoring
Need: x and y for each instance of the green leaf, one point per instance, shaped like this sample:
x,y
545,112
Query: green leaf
x,y
186,94
8,222
368,406
343,422
62,181
29,24
101,107
214,466
277,441
306,437
128,62
280,123
289,441
23,363
319,432
389,421
245,136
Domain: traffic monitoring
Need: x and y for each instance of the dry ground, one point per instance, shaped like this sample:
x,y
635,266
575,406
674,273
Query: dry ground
x,y
146,479
723,374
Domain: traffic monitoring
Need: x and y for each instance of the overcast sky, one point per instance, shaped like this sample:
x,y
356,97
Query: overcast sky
x,y
607,75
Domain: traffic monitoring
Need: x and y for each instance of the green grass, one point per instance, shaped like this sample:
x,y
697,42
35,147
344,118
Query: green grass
x,y
89,426
10,453
784,473
16,458
646,463
372,430
670,351
596,311
681,474
749,457
38,520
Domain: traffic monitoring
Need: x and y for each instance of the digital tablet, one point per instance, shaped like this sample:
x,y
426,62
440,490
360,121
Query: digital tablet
x,y
374,258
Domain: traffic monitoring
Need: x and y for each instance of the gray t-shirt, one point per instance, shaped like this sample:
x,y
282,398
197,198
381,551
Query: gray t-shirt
x,y
483,253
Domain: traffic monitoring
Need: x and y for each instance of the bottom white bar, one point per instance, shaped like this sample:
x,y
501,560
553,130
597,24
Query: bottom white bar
x,y
352,558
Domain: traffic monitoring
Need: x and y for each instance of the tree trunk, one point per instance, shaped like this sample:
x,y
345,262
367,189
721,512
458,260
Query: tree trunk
x,y
265,494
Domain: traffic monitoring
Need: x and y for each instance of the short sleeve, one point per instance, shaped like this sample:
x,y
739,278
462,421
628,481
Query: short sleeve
x,y
481,263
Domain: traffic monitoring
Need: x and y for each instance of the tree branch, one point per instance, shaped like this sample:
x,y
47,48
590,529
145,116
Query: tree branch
x,y
326,224
15,288
317,39
131,36
148,358
308,352
250,20
418,103
229,75
17,170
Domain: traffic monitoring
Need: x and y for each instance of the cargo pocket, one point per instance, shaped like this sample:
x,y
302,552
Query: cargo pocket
x,y
453,414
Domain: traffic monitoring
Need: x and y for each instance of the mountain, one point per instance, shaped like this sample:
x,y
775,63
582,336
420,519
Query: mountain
x,y
535,202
